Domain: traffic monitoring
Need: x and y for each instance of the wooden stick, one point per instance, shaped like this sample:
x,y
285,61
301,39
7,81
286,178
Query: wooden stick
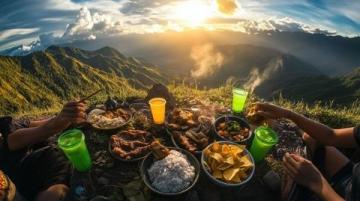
x,y
89,96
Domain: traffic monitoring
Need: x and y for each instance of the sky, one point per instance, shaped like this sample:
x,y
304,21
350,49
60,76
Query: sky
x,y
28,25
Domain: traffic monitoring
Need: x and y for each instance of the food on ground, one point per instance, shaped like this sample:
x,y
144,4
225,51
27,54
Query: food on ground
x,y
193,139
228,163
131,144
190,130
181,119
232,130
108,119
142,119
253,116
159,150
172,174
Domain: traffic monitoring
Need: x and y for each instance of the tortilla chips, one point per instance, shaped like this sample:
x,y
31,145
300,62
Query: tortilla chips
x,y
228,162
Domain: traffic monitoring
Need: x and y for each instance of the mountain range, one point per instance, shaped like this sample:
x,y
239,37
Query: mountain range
x,y
332,55
48,78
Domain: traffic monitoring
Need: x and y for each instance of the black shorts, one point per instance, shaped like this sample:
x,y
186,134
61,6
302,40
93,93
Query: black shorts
x,y
342,179
41,169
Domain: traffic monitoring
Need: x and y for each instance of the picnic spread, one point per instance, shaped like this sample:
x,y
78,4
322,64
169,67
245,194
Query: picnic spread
x,y
157,149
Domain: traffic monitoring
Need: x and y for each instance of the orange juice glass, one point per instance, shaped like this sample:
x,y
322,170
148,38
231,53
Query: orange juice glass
x,y
157,106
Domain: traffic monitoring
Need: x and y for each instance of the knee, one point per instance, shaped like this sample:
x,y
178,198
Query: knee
x,y
53,193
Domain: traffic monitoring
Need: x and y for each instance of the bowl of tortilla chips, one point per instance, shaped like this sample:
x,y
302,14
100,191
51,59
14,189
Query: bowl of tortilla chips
x,y
228,164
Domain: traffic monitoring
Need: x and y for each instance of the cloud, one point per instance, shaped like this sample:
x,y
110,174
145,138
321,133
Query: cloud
x,y
60,21
207,61
142,7
285,24
88,26
6,34
227,7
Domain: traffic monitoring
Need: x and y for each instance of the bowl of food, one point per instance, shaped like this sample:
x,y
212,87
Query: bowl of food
x,y
130,145
232,128
169,171
189,130
109,119
228,164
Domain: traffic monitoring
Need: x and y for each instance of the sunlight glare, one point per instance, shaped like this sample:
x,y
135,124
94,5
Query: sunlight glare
x,y
192,13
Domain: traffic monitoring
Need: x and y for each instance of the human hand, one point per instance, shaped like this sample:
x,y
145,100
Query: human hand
x,y
270,111
73,112
303,172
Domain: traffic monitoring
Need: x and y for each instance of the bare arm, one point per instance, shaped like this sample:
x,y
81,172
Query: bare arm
x,y
336,137
322,133
306,174
72,112
38,123
327,193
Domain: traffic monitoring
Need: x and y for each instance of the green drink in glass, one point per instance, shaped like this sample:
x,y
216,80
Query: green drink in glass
x,y
72,142
239,99
265,138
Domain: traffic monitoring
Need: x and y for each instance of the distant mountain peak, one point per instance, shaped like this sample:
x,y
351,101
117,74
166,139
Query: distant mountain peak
x,y
109,52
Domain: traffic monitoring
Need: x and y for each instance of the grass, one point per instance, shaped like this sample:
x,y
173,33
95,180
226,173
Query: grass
x,y
327,113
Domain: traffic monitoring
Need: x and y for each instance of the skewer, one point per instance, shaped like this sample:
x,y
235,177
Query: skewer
x,y
89,96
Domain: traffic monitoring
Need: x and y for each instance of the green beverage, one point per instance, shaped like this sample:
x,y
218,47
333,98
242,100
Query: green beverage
x,y
239,99
265,138
72,142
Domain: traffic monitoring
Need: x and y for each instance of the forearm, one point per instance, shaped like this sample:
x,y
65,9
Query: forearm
x,y
39,122
29,136
318,131
327,193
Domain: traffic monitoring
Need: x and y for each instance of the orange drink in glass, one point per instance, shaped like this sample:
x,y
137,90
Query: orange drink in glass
x,y
157,107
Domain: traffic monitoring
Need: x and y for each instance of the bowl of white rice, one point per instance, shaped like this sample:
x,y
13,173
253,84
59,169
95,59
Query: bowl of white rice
x,y
176,174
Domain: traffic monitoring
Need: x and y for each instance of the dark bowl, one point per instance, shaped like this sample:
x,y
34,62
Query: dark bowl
x,y
222,183
149,160
242,122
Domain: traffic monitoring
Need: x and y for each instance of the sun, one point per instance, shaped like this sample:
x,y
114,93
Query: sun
x,y
192,13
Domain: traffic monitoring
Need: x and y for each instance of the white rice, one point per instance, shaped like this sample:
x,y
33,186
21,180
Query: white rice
x,y
172,174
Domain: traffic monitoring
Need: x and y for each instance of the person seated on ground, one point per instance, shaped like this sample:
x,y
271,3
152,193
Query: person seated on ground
x,y
39,171
330,175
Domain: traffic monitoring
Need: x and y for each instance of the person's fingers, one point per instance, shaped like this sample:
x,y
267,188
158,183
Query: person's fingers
x,y
290,168
75,104
291,161
78,121
264,114
297,157
74,115
288,172
74,109
70,103
260,106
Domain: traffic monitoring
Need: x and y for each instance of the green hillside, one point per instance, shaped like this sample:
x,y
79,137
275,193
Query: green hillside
x,y
336,117
342,90
43,80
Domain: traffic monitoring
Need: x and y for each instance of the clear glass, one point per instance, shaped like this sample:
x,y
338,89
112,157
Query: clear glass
x,y
72,142
157,107
239,99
